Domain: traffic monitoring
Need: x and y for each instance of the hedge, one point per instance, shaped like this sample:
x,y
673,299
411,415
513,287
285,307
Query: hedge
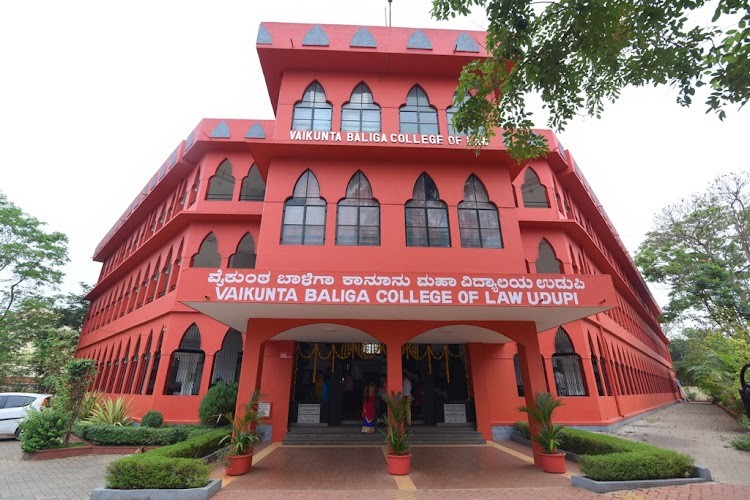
x,y
170,467
156,472
609,458
118,435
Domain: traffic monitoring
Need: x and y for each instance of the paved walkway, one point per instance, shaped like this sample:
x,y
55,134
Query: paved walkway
x,y
498,470
49,479
701,430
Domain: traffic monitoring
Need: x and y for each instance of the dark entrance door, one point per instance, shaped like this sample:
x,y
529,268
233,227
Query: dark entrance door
x,y
441,385
331,378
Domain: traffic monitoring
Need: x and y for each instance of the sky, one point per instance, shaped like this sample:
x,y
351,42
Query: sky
x,y
95,95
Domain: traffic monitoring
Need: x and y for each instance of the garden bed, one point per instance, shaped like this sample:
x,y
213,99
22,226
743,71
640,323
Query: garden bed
x,y
702,475
205,492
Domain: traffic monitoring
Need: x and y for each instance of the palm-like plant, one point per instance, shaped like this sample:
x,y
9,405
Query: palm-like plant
x,y
548,433
396,434
245,430
110,412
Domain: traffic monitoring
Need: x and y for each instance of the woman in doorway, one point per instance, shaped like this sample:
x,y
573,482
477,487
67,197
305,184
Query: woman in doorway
x,y
368,409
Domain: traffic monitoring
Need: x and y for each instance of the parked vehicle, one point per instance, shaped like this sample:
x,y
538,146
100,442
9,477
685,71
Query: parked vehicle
x,y
13,407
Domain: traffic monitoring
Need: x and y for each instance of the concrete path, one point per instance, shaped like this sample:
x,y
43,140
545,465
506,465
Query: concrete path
x,y
701,430
49,479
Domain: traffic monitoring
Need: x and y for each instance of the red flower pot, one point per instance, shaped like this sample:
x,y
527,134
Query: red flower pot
x,y
238,464
552,462
398,465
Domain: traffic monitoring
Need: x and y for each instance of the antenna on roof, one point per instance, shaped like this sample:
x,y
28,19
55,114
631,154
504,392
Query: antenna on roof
x,y
389,13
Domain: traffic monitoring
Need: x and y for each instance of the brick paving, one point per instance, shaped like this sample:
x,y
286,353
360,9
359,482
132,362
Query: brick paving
x,y
65,478
701,430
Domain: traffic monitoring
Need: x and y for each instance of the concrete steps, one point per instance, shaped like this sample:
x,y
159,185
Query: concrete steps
x,y
302,434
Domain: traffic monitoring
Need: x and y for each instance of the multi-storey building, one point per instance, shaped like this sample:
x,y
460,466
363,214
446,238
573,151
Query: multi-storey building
x,y
355,238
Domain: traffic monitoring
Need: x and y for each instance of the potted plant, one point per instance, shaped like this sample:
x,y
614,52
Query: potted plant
x,y
245,434
396,432
545,432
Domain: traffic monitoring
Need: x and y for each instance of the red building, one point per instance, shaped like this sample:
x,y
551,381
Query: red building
x,y
356,237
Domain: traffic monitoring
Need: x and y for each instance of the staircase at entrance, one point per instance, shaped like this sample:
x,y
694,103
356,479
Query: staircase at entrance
x,y
352,435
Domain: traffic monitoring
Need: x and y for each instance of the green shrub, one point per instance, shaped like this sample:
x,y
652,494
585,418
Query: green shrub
x,y
169,467
116,435
219,400
197,447
742,443
158,472
42,430
152,418
610,458
80,428
637,465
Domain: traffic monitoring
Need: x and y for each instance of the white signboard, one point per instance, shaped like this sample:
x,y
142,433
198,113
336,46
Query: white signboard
x,y
264,409
308,414
455,413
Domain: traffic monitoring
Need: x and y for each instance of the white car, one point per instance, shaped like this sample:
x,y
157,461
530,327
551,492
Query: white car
x,y
13,407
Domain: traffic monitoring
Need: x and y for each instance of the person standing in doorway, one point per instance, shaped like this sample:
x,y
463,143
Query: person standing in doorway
x,y
406,392
368,409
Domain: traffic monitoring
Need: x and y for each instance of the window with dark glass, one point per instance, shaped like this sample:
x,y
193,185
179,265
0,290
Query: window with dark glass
x,y
313,112
533,192
155,364
304,214
142,370
519,379
567,367
358,216
426,216
417,116
253,188
546,261
360,114
221,184
186,368
477,217
208,255
228,360
244,258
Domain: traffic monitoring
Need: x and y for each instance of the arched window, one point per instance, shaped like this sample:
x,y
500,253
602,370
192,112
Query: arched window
x,y
304,213
221,184
196,187
533,192
547,262
417,116
450,113
228,360
186,368
113,373
358,215
519,378
245,256
133,367
477,217
143,368
123,369
161,289
208,255
566,365
360,114
155,365
595,367
313,112
427,216
253,188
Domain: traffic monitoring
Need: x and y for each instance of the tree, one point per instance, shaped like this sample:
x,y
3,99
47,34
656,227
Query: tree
x,y
30,257
579,55
30,260
76,376
701,249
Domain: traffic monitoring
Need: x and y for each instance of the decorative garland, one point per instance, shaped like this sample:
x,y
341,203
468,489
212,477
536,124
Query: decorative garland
x,y
355,350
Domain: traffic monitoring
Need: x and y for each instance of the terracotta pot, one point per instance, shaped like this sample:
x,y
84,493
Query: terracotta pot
x,y
553,462
398,465
238,464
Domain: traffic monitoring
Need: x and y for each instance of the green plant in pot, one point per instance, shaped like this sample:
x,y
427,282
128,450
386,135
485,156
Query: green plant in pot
x,y
245,434
545,432
397,433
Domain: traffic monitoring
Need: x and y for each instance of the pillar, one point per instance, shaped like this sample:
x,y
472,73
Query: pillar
x,y
529,355
251,370
394,366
